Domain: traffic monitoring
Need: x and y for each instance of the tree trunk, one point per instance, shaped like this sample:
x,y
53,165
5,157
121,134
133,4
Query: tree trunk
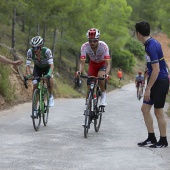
x,y
60,53
38,28
54,41
23,23
77,61
13,27
60,64
29,34
44,31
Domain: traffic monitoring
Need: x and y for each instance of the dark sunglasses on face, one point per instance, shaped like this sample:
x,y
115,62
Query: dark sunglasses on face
x,y
94,41
36,48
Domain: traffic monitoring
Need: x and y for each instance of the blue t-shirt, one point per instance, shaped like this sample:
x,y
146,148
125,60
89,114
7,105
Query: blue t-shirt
x,y
139,78
154,55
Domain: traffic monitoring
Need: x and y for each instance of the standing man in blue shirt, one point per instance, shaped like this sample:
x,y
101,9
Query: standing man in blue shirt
x,y
157,86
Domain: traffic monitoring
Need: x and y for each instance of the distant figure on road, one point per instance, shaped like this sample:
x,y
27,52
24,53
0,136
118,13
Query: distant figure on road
x,y
8,61
157,86
120,76
139,79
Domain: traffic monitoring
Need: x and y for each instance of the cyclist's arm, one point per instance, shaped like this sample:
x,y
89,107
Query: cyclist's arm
x,y
154,75
51,69
49,55
7,61
28,62
136,81
107,67
28,70
82,66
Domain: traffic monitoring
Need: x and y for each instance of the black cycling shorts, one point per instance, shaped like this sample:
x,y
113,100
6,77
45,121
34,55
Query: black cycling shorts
x,y
39,72
158,93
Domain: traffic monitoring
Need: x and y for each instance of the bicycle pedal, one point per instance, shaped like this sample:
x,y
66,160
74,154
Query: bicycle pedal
x,y
34,117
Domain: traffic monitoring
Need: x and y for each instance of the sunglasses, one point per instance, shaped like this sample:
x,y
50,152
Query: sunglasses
x,y
36,48
94,41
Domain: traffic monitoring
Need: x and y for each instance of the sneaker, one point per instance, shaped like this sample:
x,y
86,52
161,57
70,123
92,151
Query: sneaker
x,y
147,142
51,101
160,144
103,101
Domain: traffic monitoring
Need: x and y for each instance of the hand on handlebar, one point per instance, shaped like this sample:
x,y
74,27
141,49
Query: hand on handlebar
x,y
78,73
47,76
107,77
29,76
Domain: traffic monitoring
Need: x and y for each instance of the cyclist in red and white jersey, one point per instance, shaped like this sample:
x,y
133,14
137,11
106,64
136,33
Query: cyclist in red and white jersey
x,y
99,64
139,79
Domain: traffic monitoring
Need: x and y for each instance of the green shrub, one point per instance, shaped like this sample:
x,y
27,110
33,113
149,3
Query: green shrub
x,y
5,86
135,47
123,59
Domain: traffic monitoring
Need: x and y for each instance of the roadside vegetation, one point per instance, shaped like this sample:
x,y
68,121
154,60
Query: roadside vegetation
x,y
63,25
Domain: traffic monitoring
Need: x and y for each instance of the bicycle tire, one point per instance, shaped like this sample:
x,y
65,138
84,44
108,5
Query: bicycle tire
x,y
87,116
36,107
97,121
139,91
46,107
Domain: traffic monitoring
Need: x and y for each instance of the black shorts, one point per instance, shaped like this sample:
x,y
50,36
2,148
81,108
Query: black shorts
x,y
39,72
158,93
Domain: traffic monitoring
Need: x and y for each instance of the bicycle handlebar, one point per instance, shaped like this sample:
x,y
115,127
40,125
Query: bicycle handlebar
x,y
98,78
36,78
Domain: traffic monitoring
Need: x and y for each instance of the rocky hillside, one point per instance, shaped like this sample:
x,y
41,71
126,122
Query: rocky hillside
x,y
165,42
21,93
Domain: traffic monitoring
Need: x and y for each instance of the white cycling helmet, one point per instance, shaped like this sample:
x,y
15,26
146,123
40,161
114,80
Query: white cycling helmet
x,y
36,41
93,33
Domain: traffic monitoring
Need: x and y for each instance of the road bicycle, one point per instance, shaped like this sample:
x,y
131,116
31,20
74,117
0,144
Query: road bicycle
x,y
40,102
93,111
140,91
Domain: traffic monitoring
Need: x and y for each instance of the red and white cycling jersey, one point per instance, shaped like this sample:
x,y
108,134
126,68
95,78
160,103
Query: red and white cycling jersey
x,y
102,52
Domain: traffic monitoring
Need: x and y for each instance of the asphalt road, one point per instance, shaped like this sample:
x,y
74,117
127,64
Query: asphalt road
x,y
62,146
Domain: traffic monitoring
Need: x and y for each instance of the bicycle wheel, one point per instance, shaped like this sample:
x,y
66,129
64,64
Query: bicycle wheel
x,y
87,116
46,107
139,92
36,113
98,119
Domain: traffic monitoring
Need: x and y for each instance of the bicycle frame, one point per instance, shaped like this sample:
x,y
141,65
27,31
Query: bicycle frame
x,y
40,102
92,110
41,87
93,86
140,90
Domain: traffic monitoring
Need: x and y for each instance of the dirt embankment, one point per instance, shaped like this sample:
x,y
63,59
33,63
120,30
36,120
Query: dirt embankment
x,y
21,93
165,42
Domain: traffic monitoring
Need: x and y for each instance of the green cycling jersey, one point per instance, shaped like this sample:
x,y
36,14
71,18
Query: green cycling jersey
x,y
45,60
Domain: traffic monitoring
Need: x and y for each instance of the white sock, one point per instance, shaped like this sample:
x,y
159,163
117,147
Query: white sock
x,y
103,94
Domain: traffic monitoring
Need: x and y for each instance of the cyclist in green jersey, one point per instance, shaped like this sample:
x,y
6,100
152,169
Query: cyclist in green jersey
x,y
43,64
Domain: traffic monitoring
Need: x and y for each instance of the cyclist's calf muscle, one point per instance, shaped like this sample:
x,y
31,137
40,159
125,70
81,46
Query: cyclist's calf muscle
x,y
102,82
